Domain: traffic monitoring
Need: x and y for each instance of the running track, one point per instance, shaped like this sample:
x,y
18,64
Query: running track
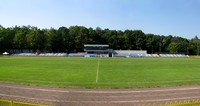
x,y
98,97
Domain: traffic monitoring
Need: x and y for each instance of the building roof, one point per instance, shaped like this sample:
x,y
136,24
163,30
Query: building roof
x,y
100,45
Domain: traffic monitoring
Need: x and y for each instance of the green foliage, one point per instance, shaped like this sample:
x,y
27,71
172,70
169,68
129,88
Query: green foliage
x,y
20,40
6,38
113,72
195,45
36,39
173,47
72,39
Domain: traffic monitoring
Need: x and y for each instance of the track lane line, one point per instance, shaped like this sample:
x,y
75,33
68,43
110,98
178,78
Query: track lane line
x,y
90,91
130,101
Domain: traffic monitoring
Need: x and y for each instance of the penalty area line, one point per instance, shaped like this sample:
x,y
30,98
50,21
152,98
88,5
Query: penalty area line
x,y
97,72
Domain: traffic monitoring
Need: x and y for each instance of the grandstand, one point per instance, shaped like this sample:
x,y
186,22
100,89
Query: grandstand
x,y
52,54
25,54
76,54
41,54
122,55
129,53
96,50
173,55
100,50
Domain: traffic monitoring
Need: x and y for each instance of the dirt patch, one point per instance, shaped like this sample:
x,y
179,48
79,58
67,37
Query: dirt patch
x,y
98,97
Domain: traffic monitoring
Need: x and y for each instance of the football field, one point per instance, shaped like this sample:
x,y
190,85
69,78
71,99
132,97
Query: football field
x,y
100,72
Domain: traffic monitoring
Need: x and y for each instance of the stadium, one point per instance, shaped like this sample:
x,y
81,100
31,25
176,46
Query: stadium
x,y
124,77
99,53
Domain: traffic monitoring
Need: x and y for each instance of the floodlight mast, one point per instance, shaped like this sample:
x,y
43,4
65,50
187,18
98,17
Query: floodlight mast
x,y
197,49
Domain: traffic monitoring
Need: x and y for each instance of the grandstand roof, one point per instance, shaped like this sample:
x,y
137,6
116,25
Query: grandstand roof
x,y
96,45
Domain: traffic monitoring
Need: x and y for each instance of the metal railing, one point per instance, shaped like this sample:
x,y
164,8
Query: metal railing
x,y
180,103
184,103
16,103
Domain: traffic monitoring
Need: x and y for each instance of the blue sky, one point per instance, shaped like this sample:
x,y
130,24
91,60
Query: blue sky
x,y
163,17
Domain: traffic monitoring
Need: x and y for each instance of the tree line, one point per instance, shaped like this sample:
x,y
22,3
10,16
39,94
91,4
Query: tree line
x,y
72,39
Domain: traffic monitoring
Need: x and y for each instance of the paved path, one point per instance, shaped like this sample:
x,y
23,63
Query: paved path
x,y
98,97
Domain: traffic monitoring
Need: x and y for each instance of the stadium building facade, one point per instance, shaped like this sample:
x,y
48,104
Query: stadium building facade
x,y
99,50
96,50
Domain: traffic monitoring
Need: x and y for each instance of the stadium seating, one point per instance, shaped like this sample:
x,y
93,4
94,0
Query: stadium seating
x,y
25,54
155,55
82,54
52,54
173,55
121,55
76,55
90,55
103,55
148,55
41,54
136,55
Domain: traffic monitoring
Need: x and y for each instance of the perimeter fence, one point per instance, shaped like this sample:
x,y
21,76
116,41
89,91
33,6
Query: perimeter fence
x,y
16,103
180,103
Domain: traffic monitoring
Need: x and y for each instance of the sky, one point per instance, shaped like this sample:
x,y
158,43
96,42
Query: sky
x,y
162,17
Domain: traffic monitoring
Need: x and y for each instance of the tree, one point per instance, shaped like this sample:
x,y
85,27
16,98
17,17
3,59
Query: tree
x,y
195,45
32,39
73,32
50,33
120,41
139,39
150,43
111,38
63,39
2,38
156,43
92,36
173,47
41,41
98,38
182,44
54,40
165,42
72,39
129,40
20,41
82,38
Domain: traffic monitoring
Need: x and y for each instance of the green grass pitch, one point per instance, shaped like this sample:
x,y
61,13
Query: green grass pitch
x,y
100,72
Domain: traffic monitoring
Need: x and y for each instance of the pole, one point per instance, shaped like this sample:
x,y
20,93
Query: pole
x,y
197,49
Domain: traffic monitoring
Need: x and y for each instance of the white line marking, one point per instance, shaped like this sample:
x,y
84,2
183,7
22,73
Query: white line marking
x,y
174,81
138,95
23,97
87,91
131,101
139,91
135,95
35,89
97,73
156,100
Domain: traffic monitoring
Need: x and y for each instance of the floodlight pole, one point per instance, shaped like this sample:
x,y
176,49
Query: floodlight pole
x,y
197,49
